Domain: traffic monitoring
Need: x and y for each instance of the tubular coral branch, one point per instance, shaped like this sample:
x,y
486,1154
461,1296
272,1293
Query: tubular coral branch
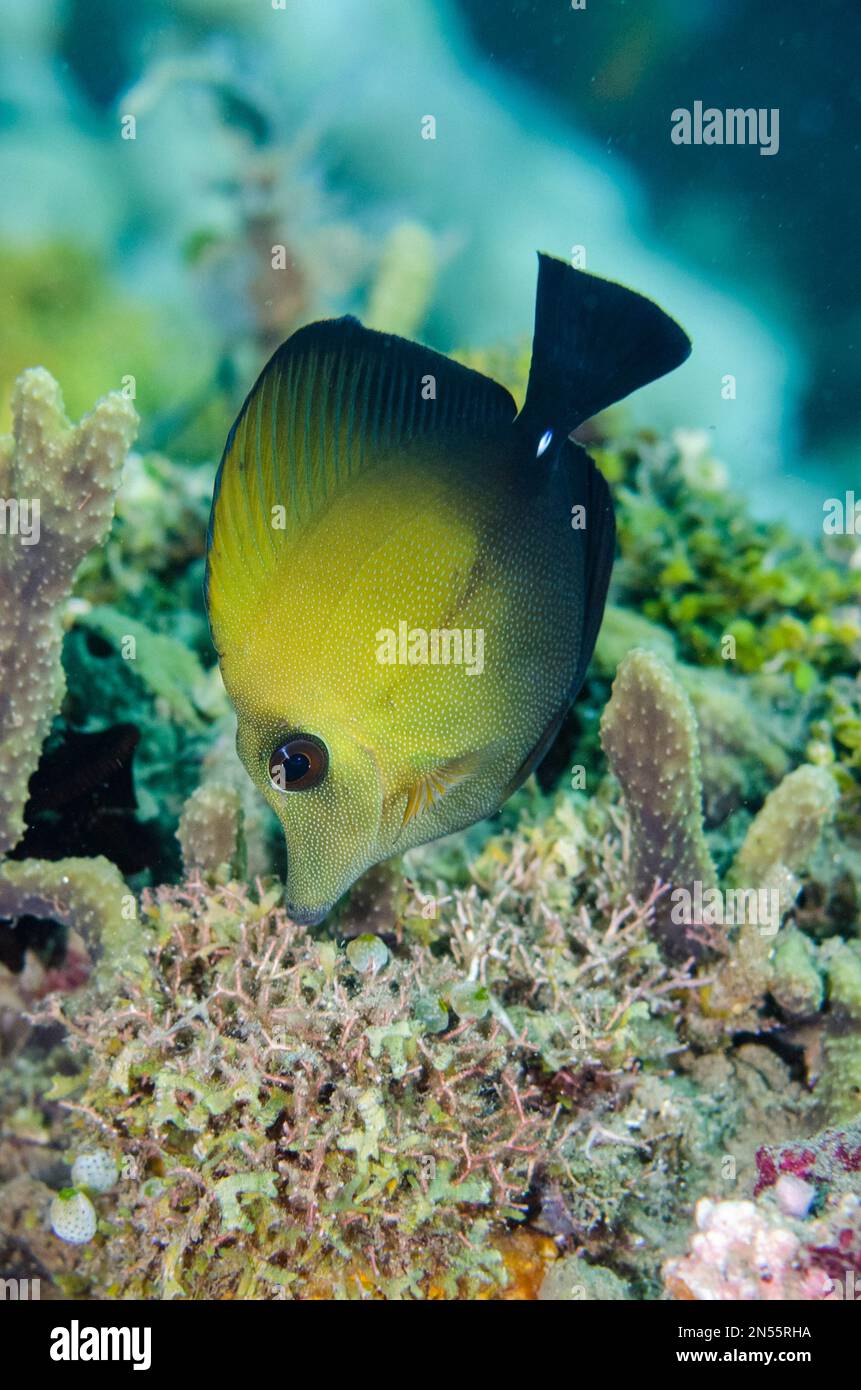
x,y
63,478
649,735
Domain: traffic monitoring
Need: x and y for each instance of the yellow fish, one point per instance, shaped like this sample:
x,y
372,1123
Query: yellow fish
x,y
405,578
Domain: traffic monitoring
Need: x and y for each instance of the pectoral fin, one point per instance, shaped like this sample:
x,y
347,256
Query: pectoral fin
x,y
433,784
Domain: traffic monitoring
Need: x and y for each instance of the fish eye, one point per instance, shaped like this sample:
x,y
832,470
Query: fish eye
x,y
298,764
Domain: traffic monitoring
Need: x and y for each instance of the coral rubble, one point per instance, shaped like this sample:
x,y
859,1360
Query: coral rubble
x,y
802,1240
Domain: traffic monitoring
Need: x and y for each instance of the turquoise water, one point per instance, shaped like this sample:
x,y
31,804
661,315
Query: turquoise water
x,y
258,123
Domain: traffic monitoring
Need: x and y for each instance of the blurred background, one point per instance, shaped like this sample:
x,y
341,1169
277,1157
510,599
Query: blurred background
x,y
186,181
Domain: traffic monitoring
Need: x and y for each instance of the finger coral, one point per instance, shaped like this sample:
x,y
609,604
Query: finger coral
x,y
743,733
66,478
787,829
211,831
649,734
779,843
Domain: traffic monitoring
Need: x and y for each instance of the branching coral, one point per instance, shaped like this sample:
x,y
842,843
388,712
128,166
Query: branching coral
x,y
787,829
744,733
211,831
68,476
649,735
779,843
781,612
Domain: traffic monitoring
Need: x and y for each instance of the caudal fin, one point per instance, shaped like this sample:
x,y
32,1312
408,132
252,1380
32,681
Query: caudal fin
x,y
594,343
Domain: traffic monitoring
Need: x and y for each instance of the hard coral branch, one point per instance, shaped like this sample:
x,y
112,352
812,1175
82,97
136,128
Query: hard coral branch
x,y
66,477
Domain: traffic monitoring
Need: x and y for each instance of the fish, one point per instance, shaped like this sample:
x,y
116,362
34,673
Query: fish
x,y
406,576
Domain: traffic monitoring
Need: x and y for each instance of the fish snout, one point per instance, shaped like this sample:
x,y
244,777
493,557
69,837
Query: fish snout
x,y
307,916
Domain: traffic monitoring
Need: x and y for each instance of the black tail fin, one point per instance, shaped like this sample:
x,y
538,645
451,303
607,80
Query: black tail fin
x,y
594,343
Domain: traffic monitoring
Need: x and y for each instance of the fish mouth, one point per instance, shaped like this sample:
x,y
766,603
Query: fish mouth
x,y
307,916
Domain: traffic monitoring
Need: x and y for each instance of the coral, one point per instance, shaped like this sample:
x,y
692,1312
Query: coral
x,y
487,1077
799,1239
158,533
741,1253
841,1078
797,984
303,1120
779,843
264,839
744,736
840,1083
499,1070
787,829
782,613
211,831
72,475
87,895
649,734
842,962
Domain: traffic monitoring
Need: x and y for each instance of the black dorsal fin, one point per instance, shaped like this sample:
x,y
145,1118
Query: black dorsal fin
x,y
594,343
331,402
